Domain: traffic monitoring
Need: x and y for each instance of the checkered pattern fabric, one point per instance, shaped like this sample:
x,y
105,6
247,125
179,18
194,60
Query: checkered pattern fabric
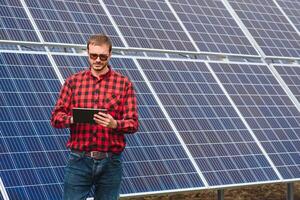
x,y
111,91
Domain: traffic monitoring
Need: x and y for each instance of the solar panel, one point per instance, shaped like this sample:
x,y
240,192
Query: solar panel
x,y
31,152
212,27
220,143
191,136
269,27
154,159
291,76
14,23
292,9
268,110
149,24
71,22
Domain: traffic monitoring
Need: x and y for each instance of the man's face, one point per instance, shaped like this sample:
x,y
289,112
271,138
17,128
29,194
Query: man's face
x,y
98,58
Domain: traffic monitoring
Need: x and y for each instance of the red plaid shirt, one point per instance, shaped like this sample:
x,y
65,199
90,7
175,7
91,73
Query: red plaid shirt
x,y
111,91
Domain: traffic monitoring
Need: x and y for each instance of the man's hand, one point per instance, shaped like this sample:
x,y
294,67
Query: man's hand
x,y
105,120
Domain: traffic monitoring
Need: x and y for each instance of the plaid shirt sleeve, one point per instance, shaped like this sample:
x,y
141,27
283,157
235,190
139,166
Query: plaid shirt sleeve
x,y
129,123
61,114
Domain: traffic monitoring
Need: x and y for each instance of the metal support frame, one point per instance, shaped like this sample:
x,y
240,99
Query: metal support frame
x,y
290,191
3,191
221,194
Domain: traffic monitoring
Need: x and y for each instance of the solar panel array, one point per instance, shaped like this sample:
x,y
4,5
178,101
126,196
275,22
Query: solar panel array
x,y
269,27
291,76
149,24
212,27
291,8
272,116
203,124
32,153
220,143
14,23
71,22
189,26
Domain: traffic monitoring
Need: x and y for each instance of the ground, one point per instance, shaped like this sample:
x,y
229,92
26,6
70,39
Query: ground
x,y
257,192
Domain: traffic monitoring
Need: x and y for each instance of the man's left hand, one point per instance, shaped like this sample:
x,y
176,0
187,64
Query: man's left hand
x,y
105,120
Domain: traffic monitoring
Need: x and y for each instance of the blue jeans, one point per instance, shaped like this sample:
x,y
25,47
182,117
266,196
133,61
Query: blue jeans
x,y
83,172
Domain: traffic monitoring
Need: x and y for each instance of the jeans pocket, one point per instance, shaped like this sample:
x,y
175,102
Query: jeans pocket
x,y
74,157
116,160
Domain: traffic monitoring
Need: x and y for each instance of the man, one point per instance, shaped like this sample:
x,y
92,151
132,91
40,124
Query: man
x,y
96,149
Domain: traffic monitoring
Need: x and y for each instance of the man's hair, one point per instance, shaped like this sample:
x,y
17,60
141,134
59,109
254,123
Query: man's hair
x,y
99,40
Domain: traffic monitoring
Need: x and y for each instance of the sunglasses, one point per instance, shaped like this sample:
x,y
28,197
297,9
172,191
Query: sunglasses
x,y
102,57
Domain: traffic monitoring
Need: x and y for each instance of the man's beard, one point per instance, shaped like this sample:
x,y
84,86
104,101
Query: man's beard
x,y
101,68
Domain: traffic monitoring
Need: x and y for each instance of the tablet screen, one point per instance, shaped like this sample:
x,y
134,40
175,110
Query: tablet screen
x,y
85,115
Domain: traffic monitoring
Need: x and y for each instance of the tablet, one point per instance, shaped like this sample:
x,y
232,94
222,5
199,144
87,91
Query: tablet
x,y
85,115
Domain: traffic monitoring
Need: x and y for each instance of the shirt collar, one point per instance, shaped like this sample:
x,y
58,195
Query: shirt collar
x,y
102,75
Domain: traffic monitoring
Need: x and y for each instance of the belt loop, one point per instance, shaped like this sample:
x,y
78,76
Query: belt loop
x,y
80,153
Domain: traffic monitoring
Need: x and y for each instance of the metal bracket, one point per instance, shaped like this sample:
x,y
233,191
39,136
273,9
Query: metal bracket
x,y
3,191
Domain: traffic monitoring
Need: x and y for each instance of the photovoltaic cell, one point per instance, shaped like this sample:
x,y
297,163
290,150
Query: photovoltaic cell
x,y
269,27
71,22
14,23
154,159
212,27
291,76
218,140
268,110
149,24
292,9
32,154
